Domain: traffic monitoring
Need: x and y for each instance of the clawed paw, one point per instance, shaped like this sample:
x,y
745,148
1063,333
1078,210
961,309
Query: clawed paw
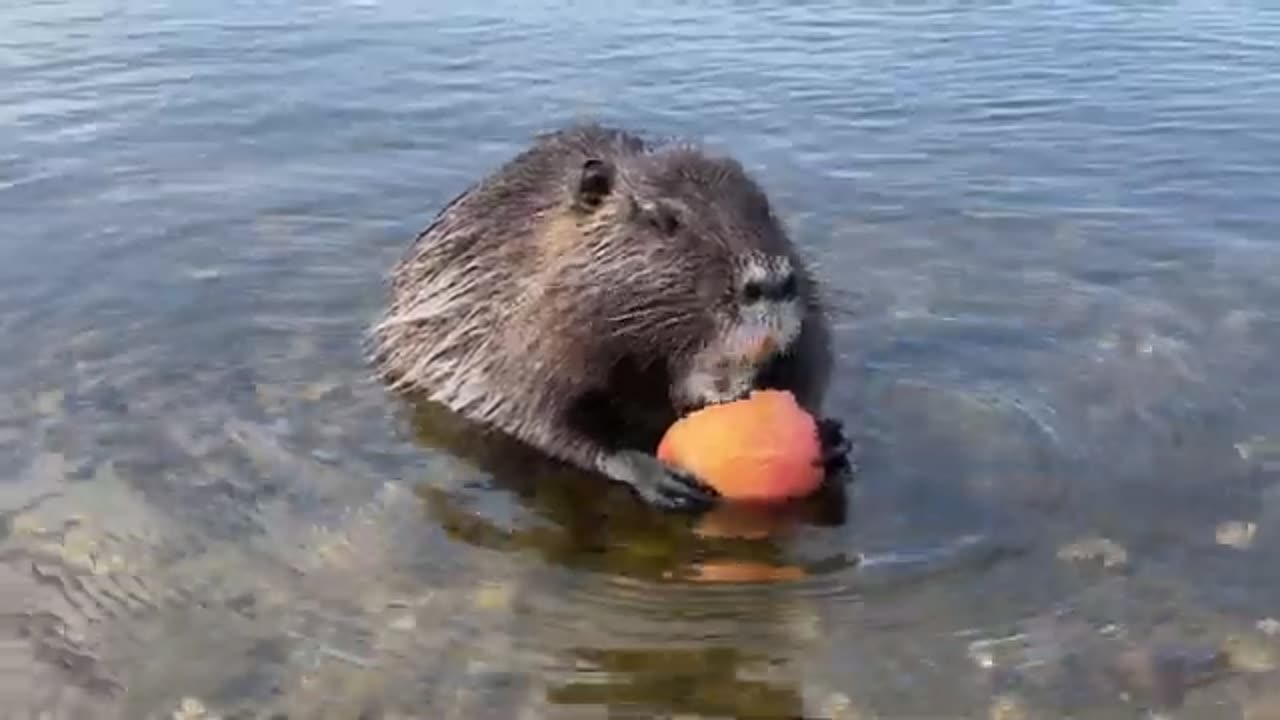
x,y
662,485
681,491
836,446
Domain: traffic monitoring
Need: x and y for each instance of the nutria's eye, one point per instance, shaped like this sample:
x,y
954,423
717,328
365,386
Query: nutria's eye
x,y
595,182
752,291
788,288
664,220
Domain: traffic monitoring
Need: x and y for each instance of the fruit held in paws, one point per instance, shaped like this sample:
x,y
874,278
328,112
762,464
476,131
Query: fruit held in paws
x,y
761,448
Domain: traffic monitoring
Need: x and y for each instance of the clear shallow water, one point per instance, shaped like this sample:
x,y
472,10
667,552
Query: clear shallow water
x,y
1053,232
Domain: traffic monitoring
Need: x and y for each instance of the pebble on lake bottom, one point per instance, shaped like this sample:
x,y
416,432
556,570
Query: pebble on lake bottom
x,y
494,596
26,524
49,403
1250,654
404,623
1095,549
1260,450
1007,707
839,706
1236,534
192,709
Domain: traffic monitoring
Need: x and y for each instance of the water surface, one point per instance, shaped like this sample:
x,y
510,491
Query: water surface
x,y
1051,233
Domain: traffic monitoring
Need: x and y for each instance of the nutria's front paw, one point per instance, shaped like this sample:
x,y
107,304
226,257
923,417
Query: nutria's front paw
x,y
659,484
836,447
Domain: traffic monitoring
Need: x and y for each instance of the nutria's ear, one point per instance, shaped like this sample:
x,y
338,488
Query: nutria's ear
x,y
595,182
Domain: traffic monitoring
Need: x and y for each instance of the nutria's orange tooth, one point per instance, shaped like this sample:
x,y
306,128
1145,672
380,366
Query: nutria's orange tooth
x,y
762,349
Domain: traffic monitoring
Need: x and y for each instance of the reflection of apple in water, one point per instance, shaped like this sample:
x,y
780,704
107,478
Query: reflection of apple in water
x,y
747,521
764,447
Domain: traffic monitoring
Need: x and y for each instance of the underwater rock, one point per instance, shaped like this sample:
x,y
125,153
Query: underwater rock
x,y
1095,549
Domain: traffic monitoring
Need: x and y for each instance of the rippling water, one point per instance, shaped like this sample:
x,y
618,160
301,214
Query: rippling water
x,y
1052,227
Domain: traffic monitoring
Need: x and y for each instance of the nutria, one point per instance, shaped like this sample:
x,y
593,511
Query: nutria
x,y
595,287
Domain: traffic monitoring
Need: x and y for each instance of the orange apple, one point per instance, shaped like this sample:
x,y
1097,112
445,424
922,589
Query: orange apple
x,y
764,447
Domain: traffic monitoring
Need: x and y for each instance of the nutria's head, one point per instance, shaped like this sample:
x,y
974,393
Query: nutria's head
x,y
707,277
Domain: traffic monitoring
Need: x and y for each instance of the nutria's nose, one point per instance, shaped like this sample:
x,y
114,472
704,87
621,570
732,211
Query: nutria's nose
x,y
780,288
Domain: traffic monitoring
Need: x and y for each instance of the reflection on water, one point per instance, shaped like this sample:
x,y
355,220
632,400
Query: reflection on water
x,y
1049,230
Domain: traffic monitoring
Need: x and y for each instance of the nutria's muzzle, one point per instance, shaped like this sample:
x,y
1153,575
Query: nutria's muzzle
x,y
727,378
